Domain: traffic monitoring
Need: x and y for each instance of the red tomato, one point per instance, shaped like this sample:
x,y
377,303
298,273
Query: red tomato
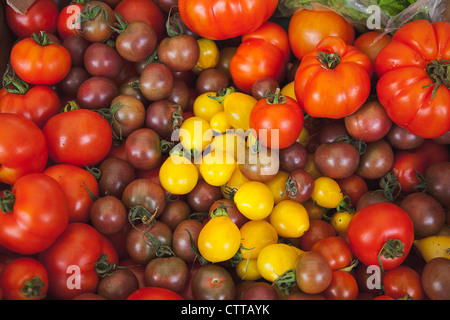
x,y
41,16
381,234
154,293
70,261
277,113
67,25
308,27
38,104
24,279
354,187
23,148
335,250
33,214
75,182
343,286
144,10
333,81
403,283
224,19
38,61
409,70
371,43
256,58
79,137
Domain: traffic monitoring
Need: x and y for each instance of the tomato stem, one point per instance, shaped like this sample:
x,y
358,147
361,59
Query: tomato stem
x,y
222,94
329,60
275,98
291,188
439,72
220,211
345,205
390,186
121,24
70,106
13,84
7,201
393,248
42,38
33,288
174,26
286,281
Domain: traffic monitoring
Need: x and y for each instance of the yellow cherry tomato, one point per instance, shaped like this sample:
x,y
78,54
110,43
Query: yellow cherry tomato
x,y
288,90
195,134
290,219
205,107
216,168
219,239
237,107
209,54
247,269
326,192
178,175
237,179
303,138
230,142
278,186
275,259
311,167
254,200
219,122
255,235
340,220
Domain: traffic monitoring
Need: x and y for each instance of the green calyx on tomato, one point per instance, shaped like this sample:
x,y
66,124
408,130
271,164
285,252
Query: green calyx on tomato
x,y
329,60
275,97
32,288
393,248
222,94
92,12
13,84
439,72
42,38
7,201
221,210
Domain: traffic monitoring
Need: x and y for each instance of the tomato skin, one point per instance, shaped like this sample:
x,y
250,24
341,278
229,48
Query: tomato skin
x,y
37,64
343,286
220,19
154,293
329,92
335,250
41,16
402,282
67,17
79,137
80,246
38,104
23,148
15,274
372,226
404,87
39,215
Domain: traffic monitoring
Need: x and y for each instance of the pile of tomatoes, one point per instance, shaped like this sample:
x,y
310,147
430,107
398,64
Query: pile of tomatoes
x,y
171,150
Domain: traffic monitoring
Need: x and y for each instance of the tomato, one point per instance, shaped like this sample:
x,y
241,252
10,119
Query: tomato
x,y
219,122
403,282
335,250
371,43
326,192
34,214
178,175
278,121
195,134
340,221
78,184
237,107
154,293
79,137
411,72
66,24
254,59
275,259
23,148
381,234
255,235
71,261
38,104
248,270
254,200
333,81
37,60
42,15
24,279
205,107
343,286
216,168
278,186
308,27
219,239
290,219
209,54
220,20
236,180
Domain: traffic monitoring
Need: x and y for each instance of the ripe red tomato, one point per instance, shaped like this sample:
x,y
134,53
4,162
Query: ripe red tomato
x,y
403,282
154,293
335,250
277,112
333,81
70,261
33,214
37,60
254,59
412,85
66,24
79,137
38,104
381,234
343,286
23,148
24,279
41,16
224,19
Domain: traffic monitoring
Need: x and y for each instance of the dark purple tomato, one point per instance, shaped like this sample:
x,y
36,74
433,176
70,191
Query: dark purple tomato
x,y
260,291
102,60
164,117
97,18
293,157
156,81
70,84
116,174
128,113
437,177
143,149
185,233
180,94
179,52
376,161
96,93
262,86
175,212
202,197
137,42
145,193
401,138
213,282
231,209
300,185
436,279
108,215
211,80
337,159
166,272
118,285
76,46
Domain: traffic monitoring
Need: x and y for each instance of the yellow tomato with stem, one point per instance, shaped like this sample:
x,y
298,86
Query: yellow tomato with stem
x,y
276,259
219,122
327,193
254,200
247,269
237,179
237,107
205,107
209,54
290,219
255,235
229,142
340,220
195,135
217,167
278,186
178,175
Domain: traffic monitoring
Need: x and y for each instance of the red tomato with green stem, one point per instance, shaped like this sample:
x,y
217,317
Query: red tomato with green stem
x,y
33,214
74,259
333,81
403,282
24,279
66,23
381,234
413,83
37,60
23,148
277,113
224,19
